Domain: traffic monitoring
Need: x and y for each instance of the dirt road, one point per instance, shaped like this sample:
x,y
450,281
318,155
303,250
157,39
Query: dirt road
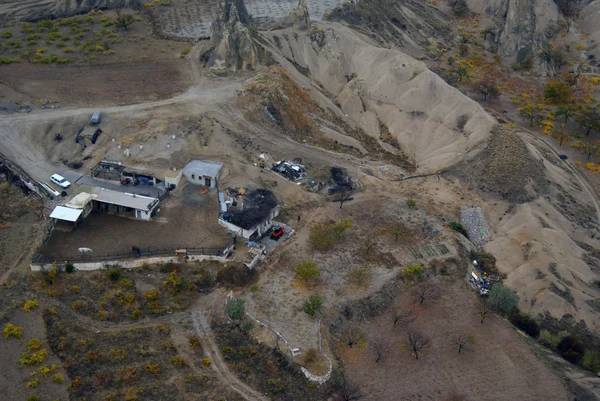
x,y
212,351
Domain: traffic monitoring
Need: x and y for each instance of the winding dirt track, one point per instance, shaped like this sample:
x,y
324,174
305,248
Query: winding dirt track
x,y
202,329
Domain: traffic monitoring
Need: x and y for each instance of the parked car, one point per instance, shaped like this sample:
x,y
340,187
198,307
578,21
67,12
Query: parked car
x,y
95,120
277,232
60,180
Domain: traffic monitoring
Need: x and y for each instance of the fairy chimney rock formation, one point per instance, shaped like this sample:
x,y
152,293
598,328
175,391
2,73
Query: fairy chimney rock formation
x,y
231,38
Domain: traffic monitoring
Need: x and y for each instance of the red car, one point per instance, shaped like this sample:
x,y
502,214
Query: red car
x,y
277,232
126,181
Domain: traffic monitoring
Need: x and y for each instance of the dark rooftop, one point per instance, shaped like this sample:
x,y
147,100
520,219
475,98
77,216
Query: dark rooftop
x,y
255,208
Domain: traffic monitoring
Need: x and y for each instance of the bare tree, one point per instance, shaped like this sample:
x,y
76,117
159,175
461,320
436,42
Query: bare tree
x,y
369,245
482,311
123,20
398,230
403,317
425,293
350,334
418,343
344,196
350,392
380,349
461,341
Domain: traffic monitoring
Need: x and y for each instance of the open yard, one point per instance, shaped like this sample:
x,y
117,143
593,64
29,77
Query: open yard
x,y
187,220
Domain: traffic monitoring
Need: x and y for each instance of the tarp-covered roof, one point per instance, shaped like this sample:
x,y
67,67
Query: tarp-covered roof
x,y
66,213
80,200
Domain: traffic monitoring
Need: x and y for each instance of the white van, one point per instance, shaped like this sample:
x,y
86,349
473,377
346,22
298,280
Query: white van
x,y
60,180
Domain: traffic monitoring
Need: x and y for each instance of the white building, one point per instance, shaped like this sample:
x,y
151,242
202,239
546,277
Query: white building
x,y
204,173
124,204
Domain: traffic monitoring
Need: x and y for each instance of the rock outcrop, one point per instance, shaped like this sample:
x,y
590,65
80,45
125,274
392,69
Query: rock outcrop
x,y
523,27
231,37
299,18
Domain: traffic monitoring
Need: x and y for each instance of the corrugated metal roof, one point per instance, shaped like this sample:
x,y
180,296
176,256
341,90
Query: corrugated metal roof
x,y
201,167
66,213
124,199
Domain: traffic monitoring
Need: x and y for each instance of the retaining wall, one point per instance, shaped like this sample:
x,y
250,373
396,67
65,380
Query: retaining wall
x,y
130,263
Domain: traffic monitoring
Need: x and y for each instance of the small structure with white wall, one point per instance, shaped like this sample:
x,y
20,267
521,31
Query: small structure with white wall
x,y
204,173
69,215
124,204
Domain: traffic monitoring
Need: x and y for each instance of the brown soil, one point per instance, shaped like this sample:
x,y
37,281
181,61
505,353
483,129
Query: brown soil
x,y
116,83
500,366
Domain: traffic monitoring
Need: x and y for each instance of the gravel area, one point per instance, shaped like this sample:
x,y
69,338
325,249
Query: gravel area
x,y
475,224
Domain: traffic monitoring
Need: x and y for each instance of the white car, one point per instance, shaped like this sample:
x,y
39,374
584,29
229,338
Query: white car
x,y
60,180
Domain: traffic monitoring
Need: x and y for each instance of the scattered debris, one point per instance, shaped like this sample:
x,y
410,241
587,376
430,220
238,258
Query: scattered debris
x,y
290,170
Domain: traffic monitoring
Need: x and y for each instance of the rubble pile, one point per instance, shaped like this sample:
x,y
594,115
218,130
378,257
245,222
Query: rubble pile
x,y
475,224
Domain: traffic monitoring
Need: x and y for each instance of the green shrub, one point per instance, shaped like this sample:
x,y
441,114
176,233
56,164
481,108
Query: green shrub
x,y
69,268
7,34
590,361
113,274
307,271
413,271
551,340
326,234
254,288
58,378
411,203
185,52
503,299
360,276
457,227
313,304
10,330
235,308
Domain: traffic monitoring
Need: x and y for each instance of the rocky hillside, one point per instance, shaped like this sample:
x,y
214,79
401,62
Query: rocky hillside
x,y
389,95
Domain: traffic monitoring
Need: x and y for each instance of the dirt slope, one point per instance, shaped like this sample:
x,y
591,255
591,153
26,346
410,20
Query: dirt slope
x,y
382,90
544,225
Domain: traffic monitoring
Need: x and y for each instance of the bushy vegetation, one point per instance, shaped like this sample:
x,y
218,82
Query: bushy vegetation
x,y
557,92
307,271
412,271
235,308
326,234
313,304
503,299
360,276
94,33
10,330
30,305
